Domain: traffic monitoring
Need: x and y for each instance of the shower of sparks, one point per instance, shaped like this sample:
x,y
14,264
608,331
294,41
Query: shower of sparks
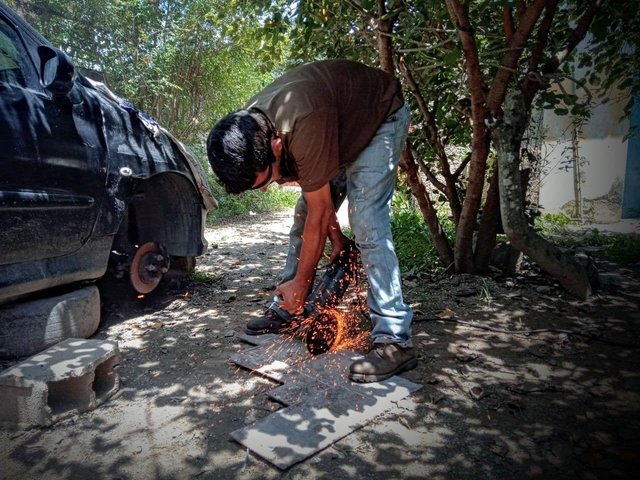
x,y
326,328
332,330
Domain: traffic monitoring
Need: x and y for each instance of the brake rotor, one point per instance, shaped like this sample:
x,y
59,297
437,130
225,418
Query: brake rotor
x,y
148,266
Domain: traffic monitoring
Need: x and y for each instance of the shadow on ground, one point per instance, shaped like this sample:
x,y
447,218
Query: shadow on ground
x,y
519,381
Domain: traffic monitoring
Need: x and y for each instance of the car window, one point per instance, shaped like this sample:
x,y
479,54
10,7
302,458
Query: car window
x,y
12,68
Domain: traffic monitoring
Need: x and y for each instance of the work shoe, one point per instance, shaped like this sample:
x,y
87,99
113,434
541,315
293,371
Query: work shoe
x,y
270,322
383,361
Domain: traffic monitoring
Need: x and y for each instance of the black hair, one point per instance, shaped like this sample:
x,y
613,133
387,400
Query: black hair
x,y
239,146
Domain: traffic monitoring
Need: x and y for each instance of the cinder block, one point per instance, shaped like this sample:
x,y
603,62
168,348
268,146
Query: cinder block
x,y
73,376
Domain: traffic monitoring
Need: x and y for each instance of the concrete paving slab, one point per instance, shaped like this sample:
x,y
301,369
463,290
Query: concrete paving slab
x,y
323,405
257,339
273,359
295,433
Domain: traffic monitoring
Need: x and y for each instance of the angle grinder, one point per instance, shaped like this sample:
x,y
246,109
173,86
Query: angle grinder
x,y
324,327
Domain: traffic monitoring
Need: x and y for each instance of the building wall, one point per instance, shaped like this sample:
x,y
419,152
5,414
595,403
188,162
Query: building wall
x,y
604,150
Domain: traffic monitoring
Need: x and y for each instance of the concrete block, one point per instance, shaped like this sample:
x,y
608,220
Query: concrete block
x,y
73,376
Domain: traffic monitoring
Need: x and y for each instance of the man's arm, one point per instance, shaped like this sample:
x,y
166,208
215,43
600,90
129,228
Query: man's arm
x,y
320,214
337,238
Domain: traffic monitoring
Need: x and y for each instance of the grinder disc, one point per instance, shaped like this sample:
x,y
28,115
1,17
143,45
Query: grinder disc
x,y
321,334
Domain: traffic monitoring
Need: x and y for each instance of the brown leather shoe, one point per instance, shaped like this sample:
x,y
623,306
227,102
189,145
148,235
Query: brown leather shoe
x,y
383,361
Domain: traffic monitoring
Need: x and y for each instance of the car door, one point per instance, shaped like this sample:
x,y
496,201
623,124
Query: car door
x,y
52,158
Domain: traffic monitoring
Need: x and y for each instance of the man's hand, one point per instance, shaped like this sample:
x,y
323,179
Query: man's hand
x,y
337,238
293,295
337,245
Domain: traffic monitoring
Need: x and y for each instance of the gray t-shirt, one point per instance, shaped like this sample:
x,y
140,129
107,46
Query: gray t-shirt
x,y
327,112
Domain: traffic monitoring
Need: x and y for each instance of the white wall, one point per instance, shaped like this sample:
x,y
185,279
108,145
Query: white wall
x,y
601,144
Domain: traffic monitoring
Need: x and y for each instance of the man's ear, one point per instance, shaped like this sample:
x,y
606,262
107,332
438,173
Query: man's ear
x,y
276,147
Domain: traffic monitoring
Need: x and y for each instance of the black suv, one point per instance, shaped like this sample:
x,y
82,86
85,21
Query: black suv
x,y
86,179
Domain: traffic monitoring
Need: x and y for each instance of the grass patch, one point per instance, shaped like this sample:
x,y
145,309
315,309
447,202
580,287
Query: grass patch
x,y
619,247
414,246
203,277
276,198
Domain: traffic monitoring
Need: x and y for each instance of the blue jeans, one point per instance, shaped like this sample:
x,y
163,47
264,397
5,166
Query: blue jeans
x,y
369,183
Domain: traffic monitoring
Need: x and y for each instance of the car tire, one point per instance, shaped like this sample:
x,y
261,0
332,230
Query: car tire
x,y
178,275
35,325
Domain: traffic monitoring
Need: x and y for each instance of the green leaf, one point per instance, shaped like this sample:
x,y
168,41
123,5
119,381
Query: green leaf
x,y
452,58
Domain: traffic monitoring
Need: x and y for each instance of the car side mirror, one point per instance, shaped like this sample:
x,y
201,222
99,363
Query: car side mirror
x,y
57,73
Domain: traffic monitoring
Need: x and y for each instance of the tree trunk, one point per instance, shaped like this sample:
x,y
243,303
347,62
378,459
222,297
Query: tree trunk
x,y
464,257
577,172
408,165
507,137
385,44
489,226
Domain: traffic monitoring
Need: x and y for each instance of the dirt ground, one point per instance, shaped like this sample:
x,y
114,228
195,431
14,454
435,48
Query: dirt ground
x,y
519,381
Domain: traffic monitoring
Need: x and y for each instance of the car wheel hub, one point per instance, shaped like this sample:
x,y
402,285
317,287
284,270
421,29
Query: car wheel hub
x,y
149,265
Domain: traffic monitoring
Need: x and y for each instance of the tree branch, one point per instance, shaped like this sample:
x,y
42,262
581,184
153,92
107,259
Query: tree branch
x,y
356,5
408,164
507,21
428,173
510,59
575,36
462,166
435,141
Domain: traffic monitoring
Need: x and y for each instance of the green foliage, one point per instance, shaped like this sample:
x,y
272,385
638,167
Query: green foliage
x,y
199,276
414,248
552,223
623,248
611,59
414,245
185,62
252,202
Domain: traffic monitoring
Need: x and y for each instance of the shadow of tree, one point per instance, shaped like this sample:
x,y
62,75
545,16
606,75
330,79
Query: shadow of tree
x,y
493,404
